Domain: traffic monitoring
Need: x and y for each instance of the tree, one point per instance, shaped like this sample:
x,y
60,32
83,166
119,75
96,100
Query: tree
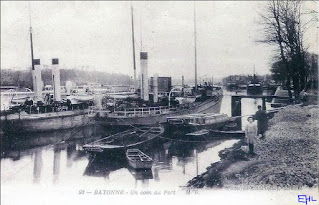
x,y
283,27
279,73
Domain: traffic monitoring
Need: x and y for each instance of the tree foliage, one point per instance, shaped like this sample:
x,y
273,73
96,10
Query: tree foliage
x,y
283,27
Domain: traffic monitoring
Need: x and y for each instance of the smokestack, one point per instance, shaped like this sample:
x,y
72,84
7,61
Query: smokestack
x,y
182,81
155,90
36,79
144,77
68,86
56,79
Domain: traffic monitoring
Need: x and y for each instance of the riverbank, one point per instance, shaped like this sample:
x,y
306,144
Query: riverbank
x,y
287,158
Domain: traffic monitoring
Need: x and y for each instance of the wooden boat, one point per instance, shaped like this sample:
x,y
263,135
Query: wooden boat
x,y
215,134
181,125
138,160
130,138
254,89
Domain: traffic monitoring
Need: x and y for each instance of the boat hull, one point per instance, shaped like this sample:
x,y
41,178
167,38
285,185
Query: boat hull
x,y
254,89
177,131
138,160
208,106
24,123
141,165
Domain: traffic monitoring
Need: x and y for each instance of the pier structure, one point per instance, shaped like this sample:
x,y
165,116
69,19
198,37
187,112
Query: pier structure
x,y
236,105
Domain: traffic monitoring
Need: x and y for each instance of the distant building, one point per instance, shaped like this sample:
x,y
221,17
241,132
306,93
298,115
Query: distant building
x,y
164,85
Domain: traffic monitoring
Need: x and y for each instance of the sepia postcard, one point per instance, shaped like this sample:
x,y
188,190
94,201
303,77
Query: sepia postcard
x,y
110,102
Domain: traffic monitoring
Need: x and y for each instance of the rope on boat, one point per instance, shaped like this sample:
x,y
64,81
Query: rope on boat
x,y
135,127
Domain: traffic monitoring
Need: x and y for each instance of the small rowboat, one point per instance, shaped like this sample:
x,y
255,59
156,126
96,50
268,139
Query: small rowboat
x,y
138,160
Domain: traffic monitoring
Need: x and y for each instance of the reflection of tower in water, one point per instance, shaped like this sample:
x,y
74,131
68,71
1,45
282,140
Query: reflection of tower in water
x,y
196,156
162,160
56,163
38,163
69,151
156,175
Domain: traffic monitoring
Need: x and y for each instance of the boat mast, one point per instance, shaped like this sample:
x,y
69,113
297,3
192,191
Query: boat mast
x,y
31,42
195,47
254,76
133,42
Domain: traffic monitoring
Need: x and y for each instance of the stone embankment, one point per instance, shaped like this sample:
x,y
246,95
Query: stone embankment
x,y
287,158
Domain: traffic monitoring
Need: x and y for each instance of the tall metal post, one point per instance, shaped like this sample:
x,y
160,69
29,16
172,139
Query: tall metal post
x,y
133,44
195,47
31,41
31,45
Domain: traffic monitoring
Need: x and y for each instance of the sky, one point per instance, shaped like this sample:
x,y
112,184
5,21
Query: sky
x,y
97,35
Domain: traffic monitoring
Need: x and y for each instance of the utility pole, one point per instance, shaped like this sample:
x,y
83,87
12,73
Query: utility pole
x,y
31,41
133,43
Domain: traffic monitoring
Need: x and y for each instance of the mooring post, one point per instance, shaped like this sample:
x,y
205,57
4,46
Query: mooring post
x,y
264,103
236,110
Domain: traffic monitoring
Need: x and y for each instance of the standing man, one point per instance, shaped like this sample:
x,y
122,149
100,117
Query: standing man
x,y
262,122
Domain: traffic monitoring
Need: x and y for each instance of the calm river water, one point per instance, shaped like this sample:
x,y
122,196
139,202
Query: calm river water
x,y
54,159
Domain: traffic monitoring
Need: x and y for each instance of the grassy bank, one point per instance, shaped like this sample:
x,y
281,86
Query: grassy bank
x,y
287,158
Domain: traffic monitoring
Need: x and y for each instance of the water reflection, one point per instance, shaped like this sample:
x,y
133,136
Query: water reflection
x,y
101,166
38,163
55,159
56,162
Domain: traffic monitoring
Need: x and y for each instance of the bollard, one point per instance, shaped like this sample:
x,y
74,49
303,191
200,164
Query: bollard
x,y
264,103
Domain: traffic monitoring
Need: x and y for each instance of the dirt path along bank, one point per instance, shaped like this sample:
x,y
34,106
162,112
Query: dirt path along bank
x,y
287,158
